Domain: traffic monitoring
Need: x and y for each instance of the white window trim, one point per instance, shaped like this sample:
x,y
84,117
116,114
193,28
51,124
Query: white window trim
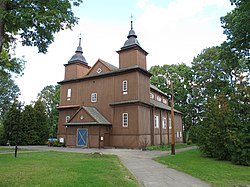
x,y
164,101
67,118
69,92
170,123
152,96
125,87
99,70
158,98
93,97
164,123
125,119
156,121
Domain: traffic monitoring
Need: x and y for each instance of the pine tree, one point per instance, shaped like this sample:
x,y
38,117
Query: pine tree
x,y
41,122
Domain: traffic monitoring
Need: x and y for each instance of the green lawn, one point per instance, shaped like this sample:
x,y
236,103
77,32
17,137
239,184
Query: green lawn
x,y
167,147
63,169
217,173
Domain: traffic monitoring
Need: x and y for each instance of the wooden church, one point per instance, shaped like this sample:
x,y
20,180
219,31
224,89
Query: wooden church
x,y
107,106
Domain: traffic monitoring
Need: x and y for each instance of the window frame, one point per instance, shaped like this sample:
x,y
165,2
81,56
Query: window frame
x,y
93,97
170,123
99,70
69,93
125,119
156,121
67,118
125,86
164,122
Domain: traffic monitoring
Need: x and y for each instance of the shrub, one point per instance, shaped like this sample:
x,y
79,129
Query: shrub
x,y
55,143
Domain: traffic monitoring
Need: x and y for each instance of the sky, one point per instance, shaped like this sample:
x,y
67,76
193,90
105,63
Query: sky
x,y
171,31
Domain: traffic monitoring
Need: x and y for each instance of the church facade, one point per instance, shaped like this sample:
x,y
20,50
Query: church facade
x,y
106,106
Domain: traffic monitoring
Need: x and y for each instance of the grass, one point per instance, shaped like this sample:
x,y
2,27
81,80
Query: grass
x,y
217,173
167,147
63,169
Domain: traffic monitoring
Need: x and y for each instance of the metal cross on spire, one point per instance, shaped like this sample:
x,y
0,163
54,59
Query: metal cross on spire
x,y
80,39
131,17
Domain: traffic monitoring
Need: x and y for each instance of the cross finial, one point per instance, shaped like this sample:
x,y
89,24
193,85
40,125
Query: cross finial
x,y
80,39
131,17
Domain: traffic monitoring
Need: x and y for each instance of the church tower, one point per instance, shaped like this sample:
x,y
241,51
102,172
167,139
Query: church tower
x,y
77,66
132,54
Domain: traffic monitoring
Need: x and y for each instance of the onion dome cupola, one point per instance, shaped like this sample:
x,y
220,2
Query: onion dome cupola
x,y
132,54
77,66
78,57
132,38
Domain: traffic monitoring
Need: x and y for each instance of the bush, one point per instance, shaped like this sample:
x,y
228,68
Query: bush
x,y
55,143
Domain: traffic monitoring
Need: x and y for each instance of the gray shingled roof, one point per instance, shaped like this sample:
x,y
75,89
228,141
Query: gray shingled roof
x,y
162,105
157,89
110,66
98,117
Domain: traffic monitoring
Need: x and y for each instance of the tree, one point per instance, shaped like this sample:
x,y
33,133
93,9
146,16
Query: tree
x,y
8,91
10,124
29,131
41,122
35,23
50,97
222,98
237,27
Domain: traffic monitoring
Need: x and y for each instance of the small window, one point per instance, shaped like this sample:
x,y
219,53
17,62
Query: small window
x,y
94,97
125,119
99,70
180,134
164,101
67,119
152,96
170,123
159,98
69,94
156,121
177,134
164,123
125,87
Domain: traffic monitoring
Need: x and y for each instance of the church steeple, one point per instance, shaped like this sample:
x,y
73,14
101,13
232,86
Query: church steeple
x,y
132,54
77,66
132,37
78,57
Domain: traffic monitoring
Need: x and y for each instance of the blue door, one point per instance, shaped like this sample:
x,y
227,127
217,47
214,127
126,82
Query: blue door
x,y
82,137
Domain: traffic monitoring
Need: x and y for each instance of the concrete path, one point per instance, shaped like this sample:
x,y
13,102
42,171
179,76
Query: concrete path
x,y
148,172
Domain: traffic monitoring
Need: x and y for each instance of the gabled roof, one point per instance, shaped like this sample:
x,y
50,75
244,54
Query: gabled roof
x,y
109,66
98,118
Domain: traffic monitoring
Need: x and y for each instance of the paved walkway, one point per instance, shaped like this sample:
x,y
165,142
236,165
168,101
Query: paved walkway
x,y
148,172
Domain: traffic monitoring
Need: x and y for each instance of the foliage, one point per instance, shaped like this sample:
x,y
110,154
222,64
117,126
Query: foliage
x,y
217,173
167,147
63,169
8,92
41,122
50,97
33,127
237,27
35,21
221,95
55,143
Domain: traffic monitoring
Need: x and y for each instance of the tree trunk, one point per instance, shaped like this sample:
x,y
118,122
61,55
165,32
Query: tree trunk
x,y
3,4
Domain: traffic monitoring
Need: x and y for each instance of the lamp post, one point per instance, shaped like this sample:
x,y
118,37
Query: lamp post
x,y
19,105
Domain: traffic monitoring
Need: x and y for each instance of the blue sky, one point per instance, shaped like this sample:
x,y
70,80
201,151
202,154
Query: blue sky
x,y
171,31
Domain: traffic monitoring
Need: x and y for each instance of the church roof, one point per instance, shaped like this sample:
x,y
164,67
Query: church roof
x,y
78,57
132,38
